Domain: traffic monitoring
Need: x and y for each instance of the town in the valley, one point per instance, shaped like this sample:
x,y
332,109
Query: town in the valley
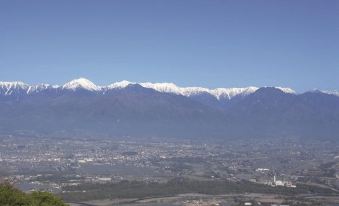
x,y
274,169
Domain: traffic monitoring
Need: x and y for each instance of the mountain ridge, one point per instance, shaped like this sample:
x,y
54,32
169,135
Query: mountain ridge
x,y
83,83
81,108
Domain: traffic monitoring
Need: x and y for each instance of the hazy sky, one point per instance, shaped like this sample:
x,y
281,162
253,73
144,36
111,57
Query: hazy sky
x,y
211,43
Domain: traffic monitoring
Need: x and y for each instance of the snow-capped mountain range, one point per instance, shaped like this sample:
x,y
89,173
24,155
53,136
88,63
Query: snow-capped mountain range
x,y
8,88
124,108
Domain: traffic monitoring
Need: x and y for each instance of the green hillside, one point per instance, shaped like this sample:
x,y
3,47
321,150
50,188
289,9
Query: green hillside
x,y
10,196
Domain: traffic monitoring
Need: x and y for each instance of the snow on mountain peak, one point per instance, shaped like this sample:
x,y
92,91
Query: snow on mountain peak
x,y
191,91
16,84
335,93
163,87
228,93
81,83
119,85
286,90
39,88
8,87
172,88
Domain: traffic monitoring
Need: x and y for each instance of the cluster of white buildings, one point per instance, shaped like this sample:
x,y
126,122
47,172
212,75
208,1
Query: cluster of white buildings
x,y
275,181
281,183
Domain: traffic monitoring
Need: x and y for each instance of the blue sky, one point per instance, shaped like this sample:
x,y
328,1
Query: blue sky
x,y
211,43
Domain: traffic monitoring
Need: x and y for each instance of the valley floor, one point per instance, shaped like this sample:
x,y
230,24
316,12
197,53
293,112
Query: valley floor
x,y
221,200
